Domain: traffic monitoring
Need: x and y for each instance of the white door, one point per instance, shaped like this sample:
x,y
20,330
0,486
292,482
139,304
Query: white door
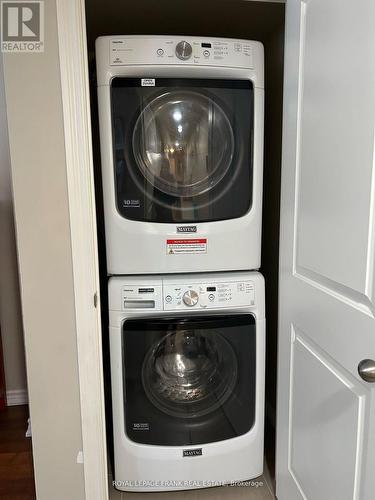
x,y
326,411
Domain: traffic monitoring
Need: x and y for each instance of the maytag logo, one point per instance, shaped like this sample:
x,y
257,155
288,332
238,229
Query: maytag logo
x,y
186,229
197,452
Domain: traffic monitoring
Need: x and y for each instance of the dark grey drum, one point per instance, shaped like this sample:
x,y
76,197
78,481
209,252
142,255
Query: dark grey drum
x,y
183,149
189,380
190,373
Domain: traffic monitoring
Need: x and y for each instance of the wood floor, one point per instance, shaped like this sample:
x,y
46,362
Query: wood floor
x,y
16,465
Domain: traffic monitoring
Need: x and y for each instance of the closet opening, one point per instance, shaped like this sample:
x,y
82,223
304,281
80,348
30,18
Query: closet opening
x,y
250,20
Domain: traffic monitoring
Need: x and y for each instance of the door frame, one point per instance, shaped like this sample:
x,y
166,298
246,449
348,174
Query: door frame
x,y
73,62
80,179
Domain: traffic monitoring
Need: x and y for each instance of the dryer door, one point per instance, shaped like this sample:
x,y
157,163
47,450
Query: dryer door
x,y
189,381
182,148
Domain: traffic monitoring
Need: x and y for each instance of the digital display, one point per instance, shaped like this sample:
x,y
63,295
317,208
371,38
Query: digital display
x,y
146,290
211,289
206,45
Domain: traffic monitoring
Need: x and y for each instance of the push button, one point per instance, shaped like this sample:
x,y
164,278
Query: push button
x,y
203,299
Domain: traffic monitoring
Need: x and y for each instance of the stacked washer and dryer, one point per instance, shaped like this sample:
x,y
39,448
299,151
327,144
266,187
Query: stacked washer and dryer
x,y
181,131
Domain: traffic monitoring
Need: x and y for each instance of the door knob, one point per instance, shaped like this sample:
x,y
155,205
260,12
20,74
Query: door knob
x,y
366,370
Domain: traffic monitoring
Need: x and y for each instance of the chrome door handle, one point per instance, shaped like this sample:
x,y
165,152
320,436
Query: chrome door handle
x,y
366,370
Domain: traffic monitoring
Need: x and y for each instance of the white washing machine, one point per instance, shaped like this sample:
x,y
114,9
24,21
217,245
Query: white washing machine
x,y
187,371
181,133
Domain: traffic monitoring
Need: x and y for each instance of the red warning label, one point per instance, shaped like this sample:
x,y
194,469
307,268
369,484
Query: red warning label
x,y
186,245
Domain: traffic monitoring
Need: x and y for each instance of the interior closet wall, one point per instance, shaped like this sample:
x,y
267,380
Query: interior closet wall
x,y
262,21
37,150
274,54
10,302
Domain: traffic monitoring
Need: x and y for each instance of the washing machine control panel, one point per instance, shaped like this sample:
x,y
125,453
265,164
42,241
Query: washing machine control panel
x,y
125,51
208,295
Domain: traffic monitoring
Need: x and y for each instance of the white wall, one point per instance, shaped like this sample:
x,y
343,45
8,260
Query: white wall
x,y
36,138
10,304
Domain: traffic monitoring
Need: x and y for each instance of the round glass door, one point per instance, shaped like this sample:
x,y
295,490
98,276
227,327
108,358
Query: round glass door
x,y
189,373
183,143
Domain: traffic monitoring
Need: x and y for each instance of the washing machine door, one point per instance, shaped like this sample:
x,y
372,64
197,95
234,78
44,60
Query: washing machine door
x,y
189,381
182,148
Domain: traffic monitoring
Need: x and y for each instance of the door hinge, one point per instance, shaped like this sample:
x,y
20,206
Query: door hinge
x,y
96,299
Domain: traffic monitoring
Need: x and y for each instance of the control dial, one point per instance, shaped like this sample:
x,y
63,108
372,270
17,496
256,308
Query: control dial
x,y
190,298
184,50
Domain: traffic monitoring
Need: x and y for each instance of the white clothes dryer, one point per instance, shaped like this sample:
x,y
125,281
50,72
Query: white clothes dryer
x,y
181,134
187,372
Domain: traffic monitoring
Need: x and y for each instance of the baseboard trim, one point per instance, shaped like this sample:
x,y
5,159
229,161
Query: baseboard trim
x,y
17,397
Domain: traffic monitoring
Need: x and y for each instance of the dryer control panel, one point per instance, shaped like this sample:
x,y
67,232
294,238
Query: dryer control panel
x,y
160,56
189,50
210,295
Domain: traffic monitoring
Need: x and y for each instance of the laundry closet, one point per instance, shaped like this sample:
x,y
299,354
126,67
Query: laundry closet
x,y
149,283
231,245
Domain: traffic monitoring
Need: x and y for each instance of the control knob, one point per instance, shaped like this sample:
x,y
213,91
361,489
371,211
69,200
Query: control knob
x,y
184,50
190,298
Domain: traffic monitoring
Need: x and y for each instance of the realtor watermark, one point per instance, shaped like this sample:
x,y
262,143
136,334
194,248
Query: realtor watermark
x,y
22,26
